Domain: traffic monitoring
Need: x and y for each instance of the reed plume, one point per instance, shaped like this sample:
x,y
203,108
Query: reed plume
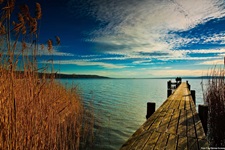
x,y
33,25
24,30
25,11
38,11
17,27
35,113
57,40
2,30
24,45
50,45
11,5
20,18
42,47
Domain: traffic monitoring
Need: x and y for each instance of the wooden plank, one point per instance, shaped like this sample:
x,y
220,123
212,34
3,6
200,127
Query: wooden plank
x,y
162,141
129,143
163,127
192,143
181,93
151,119
138,132
203,144
177,100
157,122
137,142
198,126
182,143
152,141
172,142
182,127
182,103
154,118
177,103
172,128
192,104
190,125
183,98
187,103
141,141
172,104
181,106
167,104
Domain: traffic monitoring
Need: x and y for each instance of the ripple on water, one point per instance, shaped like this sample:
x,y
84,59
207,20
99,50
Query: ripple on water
x,y
120,105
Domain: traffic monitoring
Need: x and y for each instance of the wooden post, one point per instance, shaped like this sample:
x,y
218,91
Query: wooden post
x,y
169,92
189,86
169,84
179,81
203,115
193,96
150,109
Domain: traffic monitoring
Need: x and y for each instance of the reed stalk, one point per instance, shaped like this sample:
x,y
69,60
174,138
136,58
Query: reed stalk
x,y
35,112
215,97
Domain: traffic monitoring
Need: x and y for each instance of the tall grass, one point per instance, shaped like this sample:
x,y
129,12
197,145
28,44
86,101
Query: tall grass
x,y
35,112
47,115
215,97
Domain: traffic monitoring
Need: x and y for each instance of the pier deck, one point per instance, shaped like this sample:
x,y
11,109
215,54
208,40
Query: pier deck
x,y
175,125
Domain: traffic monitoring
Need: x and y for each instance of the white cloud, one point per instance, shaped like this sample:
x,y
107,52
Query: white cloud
x,y
135,27
143,26
55,52
145,22
213,62
140,73
87,63
146,59
29,50
178,72
205,51
142,62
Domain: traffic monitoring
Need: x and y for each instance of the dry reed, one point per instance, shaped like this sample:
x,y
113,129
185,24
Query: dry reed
x,y
38,11
215,97
47,115
35,112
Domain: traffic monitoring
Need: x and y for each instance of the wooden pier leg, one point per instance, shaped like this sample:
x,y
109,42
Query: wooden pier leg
x,y
189,86
169,84
169,92
150,109
193,96
203,115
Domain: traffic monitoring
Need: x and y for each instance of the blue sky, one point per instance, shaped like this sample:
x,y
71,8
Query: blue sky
x,y
130,38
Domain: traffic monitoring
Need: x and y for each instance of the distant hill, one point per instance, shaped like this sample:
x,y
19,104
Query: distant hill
x,y
19,74
84,76
78,76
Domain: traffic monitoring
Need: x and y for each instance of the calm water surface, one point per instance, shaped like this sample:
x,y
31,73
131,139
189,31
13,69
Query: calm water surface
x,y
120,105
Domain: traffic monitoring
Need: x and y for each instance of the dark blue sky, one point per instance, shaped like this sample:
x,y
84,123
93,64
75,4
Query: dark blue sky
x,y
129,38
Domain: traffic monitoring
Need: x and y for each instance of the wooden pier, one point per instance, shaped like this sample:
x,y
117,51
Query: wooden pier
x,y
175,125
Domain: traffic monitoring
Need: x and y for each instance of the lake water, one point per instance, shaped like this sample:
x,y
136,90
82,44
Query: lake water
x,y
120,105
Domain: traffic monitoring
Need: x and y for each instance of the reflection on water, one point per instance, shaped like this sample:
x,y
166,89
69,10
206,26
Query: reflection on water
x,y
120,105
